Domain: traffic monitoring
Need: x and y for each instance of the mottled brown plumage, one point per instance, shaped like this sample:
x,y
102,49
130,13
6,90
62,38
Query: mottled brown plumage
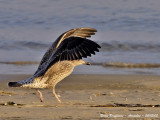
x,y
60,59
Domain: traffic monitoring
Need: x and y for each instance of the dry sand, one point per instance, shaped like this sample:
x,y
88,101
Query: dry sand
x,y
84,97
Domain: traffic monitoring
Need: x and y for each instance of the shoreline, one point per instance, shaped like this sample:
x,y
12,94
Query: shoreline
x,y
114,68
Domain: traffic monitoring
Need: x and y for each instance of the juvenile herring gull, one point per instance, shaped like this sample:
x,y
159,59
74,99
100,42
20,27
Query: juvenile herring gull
x,y
60,59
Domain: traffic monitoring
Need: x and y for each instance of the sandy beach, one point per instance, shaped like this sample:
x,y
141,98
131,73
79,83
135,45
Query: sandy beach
x,y
84,97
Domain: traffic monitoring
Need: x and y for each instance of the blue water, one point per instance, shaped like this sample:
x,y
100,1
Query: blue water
x,y
128,31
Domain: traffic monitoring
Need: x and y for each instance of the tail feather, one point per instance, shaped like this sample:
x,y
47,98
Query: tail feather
x,y
14,84
22,82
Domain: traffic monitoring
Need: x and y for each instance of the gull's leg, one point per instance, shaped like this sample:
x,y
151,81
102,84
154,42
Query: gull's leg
x,y
54,93
40,95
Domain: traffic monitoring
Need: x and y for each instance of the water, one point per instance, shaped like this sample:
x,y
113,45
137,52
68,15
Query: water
x,y
128,31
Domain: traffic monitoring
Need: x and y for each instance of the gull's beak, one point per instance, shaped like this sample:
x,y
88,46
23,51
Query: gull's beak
x,y
87,63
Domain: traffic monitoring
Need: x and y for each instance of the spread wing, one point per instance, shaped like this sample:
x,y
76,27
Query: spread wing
x,y
72,48
78,32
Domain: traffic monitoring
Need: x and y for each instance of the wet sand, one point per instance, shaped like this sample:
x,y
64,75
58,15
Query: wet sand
x,y
84,97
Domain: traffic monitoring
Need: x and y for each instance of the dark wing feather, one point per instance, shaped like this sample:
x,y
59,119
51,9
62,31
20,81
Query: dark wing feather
x,y
78,53
78,32
74,47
